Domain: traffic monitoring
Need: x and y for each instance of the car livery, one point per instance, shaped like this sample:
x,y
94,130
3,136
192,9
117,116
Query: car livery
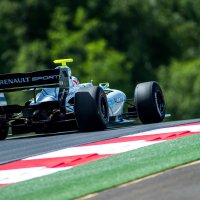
x,y
61,102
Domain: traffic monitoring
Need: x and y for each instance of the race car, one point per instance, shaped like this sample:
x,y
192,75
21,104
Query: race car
x,y
61,102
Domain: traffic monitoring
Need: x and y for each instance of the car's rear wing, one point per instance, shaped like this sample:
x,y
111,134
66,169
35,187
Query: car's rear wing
x,y
30,80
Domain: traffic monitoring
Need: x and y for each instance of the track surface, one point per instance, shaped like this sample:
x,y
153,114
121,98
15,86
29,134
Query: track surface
x,y
15,149
179,184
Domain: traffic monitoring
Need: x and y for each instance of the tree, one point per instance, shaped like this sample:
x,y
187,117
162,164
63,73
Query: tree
x,y
123,42
180,82
95,59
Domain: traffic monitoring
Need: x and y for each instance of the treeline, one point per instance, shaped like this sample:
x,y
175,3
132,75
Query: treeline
x,y
120,41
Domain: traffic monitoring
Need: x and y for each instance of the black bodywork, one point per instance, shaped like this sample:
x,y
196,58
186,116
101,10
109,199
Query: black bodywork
x,y
42,117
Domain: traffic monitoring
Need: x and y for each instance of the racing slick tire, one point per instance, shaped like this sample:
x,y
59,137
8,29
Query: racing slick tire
x,y
91,109
3,131
149,102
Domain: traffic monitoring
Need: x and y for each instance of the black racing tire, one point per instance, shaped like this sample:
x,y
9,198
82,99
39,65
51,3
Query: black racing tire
x,y
149,102
91,109
3,131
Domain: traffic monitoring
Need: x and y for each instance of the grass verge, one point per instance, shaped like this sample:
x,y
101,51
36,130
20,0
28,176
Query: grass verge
x,y
106,173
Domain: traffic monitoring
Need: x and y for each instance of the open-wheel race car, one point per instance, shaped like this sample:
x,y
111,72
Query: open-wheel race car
x,y
60,102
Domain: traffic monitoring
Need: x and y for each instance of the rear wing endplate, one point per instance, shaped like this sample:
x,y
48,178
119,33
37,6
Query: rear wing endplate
x,y
26,81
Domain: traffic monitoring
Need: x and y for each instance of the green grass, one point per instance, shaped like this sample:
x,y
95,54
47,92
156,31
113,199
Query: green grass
x,y
106,173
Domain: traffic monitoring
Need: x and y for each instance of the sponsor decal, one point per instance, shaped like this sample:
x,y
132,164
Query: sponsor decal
x,y
15,80
28,79
75,82
119,99
45,78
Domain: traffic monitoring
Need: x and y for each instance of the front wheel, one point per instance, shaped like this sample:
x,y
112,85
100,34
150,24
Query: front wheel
x,y
91,109
149,102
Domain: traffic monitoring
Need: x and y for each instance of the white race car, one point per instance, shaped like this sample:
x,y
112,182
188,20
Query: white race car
x,y
63,103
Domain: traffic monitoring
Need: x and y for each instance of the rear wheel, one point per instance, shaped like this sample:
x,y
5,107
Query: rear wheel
x,y
91,109
3,131
149,102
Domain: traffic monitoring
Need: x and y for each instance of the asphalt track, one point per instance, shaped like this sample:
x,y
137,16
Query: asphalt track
x,y
23,147
178,184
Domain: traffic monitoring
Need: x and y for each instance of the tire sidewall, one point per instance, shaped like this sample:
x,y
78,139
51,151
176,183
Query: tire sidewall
x,y
88,111
157,91
101,96
148,98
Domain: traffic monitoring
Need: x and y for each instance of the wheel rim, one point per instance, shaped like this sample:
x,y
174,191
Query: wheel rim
x,y
104,109
159,102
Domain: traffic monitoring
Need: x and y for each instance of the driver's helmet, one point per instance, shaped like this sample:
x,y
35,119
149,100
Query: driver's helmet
x,y
75,81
